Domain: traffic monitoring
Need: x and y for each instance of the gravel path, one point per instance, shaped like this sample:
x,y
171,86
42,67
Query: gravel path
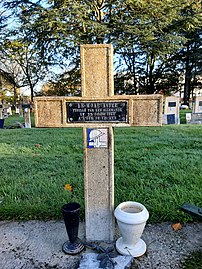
x,y
37,244
167,248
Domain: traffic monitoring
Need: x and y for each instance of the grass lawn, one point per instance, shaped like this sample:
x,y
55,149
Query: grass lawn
x,y
157,166
183,115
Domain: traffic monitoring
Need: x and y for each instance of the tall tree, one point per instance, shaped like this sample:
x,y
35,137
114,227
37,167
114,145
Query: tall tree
x,y
154,27
145,33
24,58
12,73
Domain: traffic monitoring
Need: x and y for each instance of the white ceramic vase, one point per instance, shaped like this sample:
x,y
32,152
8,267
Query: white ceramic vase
x,y
131,218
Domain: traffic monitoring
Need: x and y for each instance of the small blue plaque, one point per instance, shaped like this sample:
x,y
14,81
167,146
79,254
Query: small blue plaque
x,y
97,138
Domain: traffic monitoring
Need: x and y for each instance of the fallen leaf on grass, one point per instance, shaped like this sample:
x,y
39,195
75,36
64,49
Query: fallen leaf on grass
x,y
68,187
177,226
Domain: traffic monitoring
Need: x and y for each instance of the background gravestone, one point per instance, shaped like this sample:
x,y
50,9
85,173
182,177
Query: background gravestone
x,y
26,109
197,108
5,109
171,110
9,110
17,110
196,115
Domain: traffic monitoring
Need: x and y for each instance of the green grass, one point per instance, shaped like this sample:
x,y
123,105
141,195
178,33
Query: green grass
x,y
160,167
183,115
11,120
157,166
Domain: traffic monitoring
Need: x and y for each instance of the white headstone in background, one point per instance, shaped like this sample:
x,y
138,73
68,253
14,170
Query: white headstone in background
x,y
5,108
9,110
17,111
27,116
197,105
188,117
171,110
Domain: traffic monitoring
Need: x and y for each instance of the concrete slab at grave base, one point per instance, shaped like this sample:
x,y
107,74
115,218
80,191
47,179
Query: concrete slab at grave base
x,y
89,261
38,244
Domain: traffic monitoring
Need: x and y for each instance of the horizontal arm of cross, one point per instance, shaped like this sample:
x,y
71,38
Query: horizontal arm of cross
x,y
116,111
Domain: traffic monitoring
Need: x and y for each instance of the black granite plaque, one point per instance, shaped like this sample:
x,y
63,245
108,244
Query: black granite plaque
x,y
97,112
171,119
171,104
200,103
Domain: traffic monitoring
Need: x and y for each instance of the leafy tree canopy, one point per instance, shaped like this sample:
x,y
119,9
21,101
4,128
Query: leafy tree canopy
x,y
147,35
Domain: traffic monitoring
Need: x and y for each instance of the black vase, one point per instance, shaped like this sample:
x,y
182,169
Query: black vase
x,y
70,213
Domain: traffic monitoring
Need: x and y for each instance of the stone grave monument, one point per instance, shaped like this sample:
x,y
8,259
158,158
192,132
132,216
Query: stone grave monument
x,y
98,111
196,116
5,109
26,106
171,110
9,110
197,108
188,118
17,110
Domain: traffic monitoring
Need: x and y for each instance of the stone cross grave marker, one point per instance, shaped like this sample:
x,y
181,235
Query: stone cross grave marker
x,y
97,112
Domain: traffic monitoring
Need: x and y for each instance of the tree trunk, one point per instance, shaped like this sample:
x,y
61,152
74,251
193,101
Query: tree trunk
x,y
150,88
31,88
32,93
15,94
187,83
134,74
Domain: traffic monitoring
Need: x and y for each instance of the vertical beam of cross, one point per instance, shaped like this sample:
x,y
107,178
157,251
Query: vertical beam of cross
x,y
97,82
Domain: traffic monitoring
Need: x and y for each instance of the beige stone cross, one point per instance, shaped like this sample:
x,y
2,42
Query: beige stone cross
x,y
97,112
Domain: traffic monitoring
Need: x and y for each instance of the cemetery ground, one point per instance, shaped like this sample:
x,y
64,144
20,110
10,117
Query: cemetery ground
x,y
157,166
160,167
